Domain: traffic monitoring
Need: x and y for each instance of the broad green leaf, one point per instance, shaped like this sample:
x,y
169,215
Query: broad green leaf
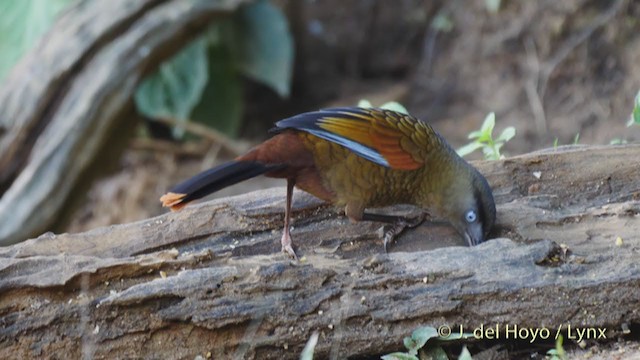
x,y
22,23
469,148
221,102
411,345
263,46
399,356
422,334
175,89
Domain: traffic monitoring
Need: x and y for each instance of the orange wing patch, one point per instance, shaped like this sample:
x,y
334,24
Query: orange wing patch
x,y
397,157
375,134
355,130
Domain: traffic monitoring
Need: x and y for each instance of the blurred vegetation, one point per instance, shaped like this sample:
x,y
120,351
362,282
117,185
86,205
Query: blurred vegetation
x,y
635,114
203,82
483,139
22,23
426,343
558,352
391,105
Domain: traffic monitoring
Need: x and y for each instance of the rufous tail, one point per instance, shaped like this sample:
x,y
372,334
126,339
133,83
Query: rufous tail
x,y
212,180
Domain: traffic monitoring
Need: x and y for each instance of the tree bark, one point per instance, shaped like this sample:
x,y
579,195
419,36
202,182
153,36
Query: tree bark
x,y
209,280
68,99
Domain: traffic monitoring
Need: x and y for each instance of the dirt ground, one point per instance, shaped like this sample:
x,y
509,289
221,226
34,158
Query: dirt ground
x,y
550,69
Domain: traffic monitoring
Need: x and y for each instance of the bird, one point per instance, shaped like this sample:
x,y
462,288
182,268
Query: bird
x,y
360,159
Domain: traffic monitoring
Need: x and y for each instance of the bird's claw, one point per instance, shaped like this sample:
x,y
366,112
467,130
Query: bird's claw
x,y
286,246
289,251
390,232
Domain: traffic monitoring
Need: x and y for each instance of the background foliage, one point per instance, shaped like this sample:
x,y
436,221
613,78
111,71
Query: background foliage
x,y
22,23
204,81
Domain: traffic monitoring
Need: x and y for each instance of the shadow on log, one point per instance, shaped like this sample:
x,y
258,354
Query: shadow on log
x,y
210,278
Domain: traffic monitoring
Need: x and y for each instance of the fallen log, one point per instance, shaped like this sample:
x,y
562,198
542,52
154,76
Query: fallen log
x,y
210,281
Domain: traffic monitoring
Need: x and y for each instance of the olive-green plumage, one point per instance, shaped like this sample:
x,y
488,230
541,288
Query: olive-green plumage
x,y
362,158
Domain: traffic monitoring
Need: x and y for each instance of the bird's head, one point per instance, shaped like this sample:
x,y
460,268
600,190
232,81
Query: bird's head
x,y
470,207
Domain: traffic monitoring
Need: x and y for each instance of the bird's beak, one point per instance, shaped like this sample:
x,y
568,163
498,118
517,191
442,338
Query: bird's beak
x,y
474,235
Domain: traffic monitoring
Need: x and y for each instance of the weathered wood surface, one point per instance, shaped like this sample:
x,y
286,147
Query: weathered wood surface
x,y
210,278
71,96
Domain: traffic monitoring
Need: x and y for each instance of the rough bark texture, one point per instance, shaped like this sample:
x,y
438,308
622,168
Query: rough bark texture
x,y
210,278
72,94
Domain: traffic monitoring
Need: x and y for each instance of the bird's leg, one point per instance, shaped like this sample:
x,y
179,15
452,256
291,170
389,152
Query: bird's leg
x,y
286,235
397,224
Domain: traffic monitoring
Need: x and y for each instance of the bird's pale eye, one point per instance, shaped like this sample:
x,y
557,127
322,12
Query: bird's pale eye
x,y
471,216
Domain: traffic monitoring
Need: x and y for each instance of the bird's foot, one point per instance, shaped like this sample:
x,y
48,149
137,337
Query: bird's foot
x,y
390,232
289,251
286,246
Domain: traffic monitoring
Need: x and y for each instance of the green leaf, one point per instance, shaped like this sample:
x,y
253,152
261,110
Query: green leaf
x,y
411,345
490,153
395,106
391,105
559,348
364,103
22,23
174,90
469,148
422,334
488,124
475,134
263,46
221,103
307,352
507,134
465,354
635,115
399,356
434,353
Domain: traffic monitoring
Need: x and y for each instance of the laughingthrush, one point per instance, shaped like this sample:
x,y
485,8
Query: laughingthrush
x,y
360,158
